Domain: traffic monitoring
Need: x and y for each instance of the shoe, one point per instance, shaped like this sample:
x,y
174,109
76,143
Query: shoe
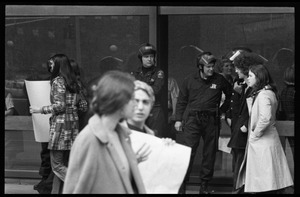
x,y
203,188
36,186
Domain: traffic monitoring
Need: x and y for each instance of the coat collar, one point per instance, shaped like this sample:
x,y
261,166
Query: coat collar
x,y
101,132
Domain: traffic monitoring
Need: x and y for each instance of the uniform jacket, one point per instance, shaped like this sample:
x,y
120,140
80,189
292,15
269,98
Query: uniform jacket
x,y
95,166
199,94
155,78
264,167
64,120
238,138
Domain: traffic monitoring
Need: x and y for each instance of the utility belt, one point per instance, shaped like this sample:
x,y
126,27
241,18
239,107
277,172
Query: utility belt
x,y
204,116
202,113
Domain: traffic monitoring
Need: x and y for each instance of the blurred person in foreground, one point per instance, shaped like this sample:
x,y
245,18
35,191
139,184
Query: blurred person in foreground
x,y
102,159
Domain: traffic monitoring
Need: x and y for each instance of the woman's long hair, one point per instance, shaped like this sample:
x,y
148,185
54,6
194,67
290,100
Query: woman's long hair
x,y
263,78
63,68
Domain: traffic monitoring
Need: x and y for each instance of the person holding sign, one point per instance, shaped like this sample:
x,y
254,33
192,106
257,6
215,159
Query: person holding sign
x,y
144,96
65,103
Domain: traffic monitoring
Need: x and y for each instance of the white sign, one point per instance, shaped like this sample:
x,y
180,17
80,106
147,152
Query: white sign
x,y
39,95
164,170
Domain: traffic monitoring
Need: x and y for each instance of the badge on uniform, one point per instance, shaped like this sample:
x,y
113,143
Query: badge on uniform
x,y
160,74
213,86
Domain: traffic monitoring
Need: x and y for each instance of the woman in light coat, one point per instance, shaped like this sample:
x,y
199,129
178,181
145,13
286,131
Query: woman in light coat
x,y
265,167
101,158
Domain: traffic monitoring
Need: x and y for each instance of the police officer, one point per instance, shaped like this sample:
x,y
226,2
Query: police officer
x,y
197,115
153,76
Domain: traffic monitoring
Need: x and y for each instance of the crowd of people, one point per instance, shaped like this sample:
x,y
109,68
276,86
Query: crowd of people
x,y
89,149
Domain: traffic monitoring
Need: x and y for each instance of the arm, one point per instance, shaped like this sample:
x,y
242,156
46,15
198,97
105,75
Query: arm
x,y
59,100
82,102
174,95
182,101
9,105
265,113
181,105
227,89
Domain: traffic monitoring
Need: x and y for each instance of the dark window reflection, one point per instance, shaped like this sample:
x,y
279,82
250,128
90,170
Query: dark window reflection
x,y
97,43
270,35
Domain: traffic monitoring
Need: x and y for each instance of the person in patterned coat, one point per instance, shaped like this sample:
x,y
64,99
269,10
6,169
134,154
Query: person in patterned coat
x,y
65,100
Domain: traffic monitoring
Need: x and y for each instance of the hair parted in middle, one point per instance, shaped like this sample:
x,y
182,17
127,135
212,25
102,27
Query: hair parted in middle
x,y
62,67
140,85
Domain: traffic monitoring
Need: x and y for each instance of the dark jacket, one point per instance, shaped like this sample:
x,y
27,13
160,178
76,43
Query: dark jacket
x,y
155,78
238,138
199,94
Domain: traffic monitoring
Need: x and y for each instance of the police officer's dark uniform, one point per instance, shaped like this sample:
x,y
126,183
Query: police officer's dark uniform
x,y
198,107
154,77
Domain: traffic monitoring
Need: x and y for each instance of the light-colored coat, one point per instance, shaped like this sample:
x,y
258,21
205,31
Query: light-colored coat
x,y
265,166
95,166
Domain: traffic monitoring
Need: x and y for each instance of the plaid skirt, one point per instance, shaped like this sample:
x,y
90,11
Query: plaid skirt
x,y
64,129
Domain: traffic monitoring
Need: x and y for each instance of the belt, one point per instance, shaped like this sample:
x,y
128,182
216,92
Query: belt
x,y
203,112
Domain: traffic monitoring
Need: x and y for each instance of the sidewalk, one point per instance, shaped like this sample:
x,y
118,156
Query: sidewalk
x,y
25,186
20,186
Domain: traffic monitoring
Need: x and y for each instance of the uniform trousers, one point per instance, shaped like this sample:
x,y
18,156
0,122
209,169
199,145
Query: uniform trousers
x,y
194,129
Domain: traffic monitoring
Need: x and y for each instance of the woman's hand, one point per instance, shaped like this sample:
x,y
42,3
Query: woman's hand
x,y
244,129
178,126
143,152
168,141
33,109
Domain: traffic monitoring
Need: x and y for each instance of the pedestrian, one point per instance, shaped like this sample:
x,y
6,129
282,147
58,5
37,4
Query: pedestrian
x,y
149,73
65,103
13,140
264,168
144,96
197,115
227,70
82,91
173,92
145,99
287,101
237,116
45,171
102,159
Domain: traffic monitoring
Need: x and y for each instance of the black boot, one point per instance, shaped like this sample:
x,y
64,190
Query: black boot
x,y
203,188
39,184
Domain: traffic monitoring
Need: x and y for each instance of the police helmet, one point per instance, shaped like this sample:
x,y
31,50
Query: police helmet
x,y
205,58
146,49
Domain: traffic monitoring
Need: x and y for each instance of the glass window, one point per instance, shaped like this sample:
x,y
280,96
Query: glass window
x,y
270,35
97,42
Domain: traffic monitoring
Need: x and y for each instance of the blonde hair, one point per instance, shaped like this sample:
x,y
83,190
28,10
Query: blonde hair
x,y
140,85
